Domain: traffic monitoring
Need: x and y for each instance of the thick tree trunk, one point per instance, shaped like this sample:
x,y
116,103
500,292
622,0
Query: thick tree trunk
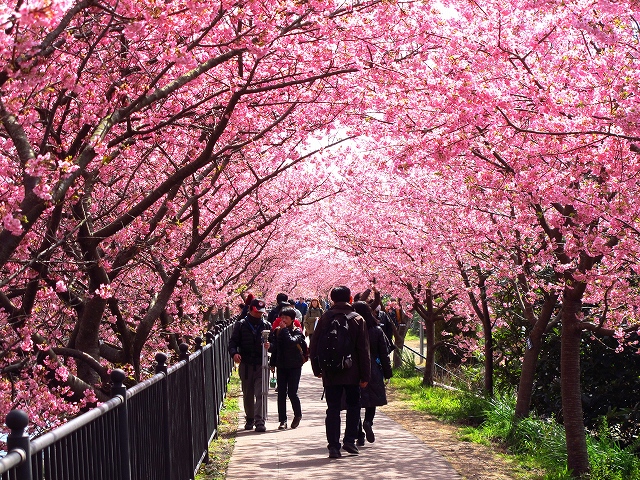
x,y
577,456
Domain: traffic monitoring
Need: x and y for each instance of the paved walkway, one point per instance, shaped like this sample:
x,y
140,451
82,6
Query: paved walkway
x,y
302,453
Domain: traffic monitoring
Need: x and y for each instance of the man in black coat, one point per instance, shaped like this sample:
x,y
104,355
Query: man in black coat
x,y
245,346
347,381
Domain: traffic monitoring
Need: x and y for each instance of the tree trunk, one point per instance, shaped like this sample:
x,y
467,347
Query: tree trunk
x,y
399,333
577,456
428,319
488,361
88,337
528,373
531,354
430,360
397,353
488,334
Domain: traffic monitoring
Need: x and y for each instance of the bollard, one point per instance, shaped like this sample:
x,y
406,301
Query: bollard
x,y
18,440
117,379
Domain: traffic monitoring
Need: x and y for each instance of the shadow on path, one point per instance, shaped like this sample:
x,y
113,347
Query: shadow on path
x,y
302,453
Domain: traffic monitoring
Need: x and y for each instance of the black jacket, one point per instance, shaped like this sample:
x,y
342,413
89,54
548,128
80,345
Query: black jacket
x,y
360,371
246,339
387,328
275,311
288,348
374,394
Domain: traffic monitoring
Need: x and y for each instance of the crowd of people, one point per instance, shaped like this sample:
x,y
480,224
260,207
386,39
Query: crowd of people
x,y
349,342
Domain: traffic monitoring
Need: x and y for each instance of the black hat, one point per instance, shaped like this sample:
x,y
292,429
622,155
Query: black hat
x,y
259,305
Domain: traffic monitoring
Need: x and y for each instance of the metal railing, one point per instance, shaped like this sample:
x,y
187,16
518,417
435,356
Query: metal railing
x,y
441,373
159,429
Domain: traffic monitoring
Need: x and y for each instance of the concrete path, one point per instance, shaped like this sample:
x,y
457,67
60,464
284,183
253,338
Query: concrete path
x,y
302,453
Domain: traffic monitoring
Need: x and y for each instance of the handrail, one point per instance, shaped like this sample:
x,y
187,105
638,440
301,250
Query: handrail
x,y
12,460
434,363
49,438
158,377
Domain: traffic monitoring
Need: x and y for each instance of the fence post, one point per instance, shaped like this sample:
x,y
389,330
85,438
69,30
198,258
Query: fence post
x,y
161,367
18,440
117,378
199,346
214,382
184,355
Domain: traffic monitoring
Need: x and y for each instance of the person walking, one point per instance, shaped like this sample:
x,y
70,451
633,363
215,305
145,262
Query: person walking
x,y
288,353
374,394
314,312
299,315
282,300
302,306
353,374
245,346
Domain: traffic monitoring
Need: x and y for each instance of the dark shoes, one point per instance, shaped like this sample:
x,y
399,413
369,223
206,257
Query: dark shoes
x,y
261,428
283,426
351,448
368,430
360,441
296,422
334,453
249,424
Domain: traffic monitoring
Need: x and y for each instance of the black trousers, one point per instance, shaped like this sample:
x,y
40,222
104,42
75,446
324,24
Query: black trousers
x,y
369,414
288,381
333,395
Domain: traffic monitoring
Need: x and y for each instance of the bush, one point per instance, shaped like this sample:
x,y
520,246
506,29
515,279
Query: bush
x,y
610,461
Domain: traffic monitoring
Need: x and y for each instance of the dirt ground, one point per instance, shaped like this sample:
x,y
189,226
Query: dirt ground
x,y
473,461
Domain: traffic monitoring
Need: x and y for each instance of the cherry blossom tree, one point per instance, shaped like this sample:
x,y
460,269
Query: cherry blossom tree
x,y
524,107
145,146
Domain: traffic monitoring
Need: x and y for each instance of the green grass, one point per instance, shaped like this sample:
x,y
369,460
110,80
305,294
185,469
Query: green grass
x,y
221,448
537,445
447,405
411,336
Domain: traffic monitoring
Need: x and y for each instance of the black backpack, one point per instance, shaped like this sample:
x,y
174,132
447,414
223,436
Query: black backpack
x,y
336,347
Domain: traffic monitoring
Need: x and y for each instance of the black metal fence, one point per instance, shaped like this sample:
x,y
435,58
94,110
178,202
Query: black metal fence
x,y
159,429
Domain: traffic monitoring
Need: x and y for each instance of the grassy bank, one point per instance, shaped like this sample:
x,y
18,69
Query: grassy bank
x,y
537,445
221,448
